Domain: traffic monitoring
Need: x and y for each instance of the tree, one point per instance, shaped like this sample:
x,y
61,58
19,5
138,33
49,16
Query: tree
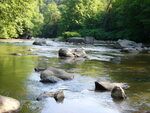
x,y
15,17
79,14
52,16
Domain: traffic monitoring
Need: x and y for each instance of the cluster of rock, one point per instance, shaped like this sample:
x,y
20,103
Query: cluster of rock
x,y
8,104
116,89
128,46
54,75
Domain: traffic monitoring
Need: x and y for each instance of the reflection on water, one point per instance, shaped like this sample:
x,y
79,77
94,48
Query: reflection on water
x,y
18,79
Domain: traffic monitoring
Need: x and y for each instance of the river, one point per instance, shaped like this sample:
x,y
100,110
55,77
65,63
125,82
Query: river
x,y
19,80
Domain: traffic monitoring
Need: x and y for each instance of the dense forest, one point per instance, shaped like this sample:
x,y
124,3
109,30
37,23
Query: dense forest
x,y
102,19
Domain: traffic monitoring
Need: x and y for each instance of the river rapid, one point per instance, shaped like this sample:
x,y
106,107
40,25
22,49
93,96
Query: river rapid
x,y
19,80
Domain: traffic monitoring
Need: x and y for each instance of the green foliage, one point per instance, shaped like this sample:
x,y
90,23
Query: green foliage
x,y
130,19
60,38
52,16
67,35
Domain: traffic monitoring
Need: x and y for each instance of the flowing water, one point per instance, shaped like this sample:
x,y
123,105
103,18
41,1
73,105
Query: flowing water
x,y
19,80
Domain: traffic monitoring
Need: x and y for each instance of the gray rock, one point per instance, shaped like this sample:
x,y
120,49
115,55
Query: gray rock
x,y
89,40
8,104
58,96
40,42
53,75
76,40
118,93
68,52
108,86
127,44
45,95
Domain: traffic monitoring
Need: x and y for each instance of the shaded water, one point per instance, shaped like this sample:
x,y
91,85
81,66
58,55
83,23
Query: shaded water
x,y
18,79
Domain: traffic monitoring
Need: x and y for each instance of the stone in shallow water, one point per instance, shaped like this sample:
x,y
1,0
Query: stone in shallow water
x,y
8,104
118,93
53,75
68,52
108,86
40,42
58,96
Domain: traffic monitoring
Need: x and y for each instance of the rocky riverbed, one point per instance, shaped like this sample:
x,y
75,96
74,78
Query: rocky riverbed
x,y
103,62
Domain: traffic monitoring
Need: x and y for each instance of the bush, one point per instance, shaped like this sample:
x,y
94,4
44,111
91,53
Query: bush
x,y
99,34
62,39
67,35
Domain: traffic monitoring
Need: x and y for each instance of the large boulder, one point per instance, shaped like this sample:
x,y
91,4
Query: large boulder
x,y
76,40
68,52
53,75
127,44
108,86
58,95
8,104
40,42
118,93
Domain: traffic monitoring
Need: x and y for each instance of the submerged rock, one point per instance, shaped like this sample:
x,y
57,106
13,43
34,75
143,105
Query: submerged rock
x,y
45,95
40,42
53,75
71,60
16,54
8,104
68,52
108,86
58,96
39,69
130,50
118,93
115,60
136,50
